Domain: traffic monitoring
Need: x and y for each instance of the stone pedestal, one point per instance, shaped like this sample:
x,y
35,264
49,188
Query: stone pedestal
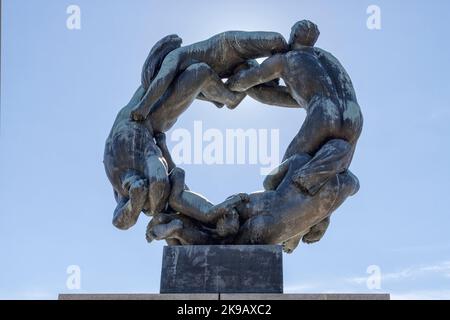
x,y
226,296
222,269
217,273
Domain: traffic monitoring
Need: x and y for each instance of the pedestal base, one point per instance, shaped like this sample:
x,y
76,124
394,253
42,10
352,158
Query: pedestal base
x,y
222,269
223,297
223,273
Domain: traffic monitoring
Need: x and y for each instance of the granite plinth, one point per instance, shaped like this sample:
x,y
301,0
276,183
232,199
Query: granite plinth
x,y
222,269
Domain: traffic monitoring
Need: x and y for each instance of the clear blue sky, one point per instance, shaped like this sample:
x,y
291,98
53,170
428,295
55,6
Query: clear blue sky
x,y
61,90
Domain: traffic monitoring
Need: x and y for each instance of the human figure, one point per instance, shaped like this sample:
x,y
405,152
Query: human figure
x,y
281,212
316,81
190,215
289,213
133,162
222,53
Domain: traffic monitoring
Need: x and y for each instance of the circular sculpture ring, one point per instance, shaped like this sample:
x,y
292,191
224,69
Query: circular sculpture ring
x,y
299,196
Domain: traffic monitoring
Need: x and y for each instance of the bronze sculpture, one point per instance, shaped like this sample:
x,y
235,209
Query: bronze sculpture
x,y
299,195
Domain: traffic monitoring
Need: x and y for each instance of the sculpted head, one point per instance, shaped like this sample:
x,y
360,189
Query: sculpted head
x,y
303,33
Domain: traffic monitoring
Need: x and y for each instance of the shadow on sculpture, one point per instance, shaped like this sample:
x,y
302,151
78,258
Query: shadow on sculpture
x,y
300,195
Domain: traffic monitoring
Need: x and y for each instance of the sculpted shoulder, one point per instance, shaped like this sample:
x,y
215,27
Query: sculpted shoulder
x,y
302,59
338,73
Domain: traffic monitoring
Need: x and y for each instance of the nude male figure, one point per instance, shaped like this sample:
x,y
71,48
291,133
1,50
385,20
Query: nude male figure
x,y
223,53
273,216
284,212
134,163
316,81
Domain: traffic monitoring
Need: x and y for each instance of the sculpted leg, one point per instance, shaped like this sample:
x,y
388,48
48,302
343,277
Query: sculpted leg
x,y
162,81
158,184
256,230
348,185
127,211
314,235
205,82
197,80
275,177
322,124
334,157
164,231
160,139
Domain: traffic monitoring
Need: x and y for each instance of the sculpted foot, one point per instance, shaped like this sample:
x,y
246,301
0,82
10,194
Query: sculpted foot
x,y
218,104
291,244
164,231
312,237
228,224
229,204
157,219
317,232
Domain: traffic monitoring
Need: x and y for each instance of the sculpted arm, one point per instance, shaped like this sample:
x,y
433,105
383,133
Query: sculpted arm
x,y
269,70
273,95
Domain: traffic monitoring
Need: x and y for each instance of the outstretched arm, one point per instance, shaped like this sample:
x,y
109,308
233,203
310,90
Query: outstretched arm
x,y
270,69
196,206
273,95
